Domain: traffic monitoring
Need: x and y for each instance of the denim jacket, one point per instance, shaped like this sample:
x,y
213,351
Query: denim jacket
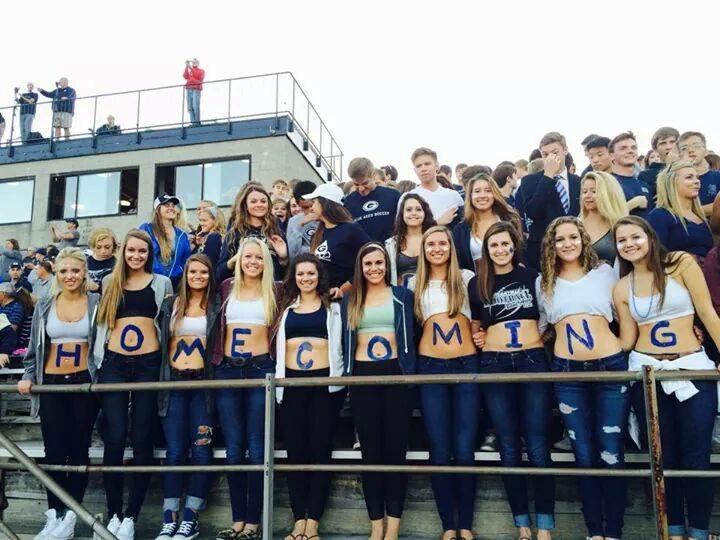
x,y
404,332
39,346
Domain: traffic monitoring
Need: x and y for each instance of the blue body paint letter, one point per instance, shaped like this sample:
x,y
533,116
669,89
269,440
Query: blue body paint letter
x,y
238,342
669,338
455,330
75,355
138,336
382,341
513,327
304,346
187,350
588,340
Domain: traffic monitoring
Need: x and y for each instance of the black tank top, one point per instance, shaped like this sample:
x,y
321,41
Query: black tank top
x,y
306,324
138,303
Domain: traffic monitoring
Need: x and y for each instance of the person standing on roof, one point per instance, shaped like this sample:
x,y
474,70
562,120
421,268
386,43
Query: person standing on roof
x,y
194,77
63,106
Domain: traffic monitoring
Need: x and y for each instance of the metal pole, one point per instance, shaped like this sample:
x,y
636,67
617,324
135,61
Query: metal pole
x,y
277,101
655,451
11,148
293,98
182,116
229,107
7,531
269,473
137,118
53,486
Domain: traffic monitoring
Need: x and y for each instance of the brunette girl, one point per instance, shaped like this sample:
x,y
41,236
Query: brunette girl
x,y
414,217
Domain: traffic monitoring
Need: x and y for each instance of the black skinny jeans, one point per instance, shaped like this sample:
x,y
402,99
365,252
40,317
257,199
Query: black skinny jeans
x,y
118,368
67,422
382,418
307,417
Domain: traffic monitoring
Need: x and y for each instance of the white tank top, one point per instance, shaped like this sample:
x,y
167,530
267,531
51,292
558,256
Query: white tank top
x,y
66,332
590,295
245,311
190,326
435,298
646,309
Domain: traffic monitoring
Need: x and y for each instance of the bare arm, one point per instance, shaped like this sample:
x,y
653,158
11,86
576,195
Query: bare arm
x,y
694,281
628,327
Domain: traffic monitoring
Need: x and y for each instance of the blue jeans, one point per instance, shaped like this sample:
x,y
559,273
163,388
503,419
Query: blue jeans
x,y
686,435
596,415
522,410
26,121
241,414
450,413
187,426
193,105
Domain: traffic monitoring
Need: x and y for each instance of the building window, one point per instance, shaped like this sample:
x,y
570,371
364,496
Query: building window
x,y
217,181
17,194
108,193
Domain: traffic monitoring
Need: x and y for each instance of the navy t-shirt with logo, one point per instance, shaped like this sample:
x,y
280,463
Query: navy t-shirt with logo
x,y
375,212
709,186
632,187
338,249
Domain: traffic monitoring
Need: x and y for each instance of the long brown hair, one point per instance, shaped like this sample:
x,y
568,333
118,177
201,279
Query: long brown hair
x,y
400,229
660,262
358,293
500,206
113,294
550,265
454,285
183,296
335,213
486,267
240,217
158,229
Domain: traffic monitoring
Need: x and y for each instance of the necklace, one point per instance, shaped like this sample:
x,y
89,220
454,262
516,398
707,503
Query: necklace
x,y
632,299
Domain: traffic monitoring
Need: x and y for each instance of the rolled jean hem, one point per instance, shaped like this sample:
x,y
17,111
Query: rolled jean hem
x,y
676,530
697,534
194,503
172,504
522,520
545,522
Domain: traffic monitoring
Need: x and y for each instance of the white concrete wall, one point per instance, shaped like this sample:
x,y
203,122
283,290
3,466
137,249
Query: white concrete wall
x,y
270,158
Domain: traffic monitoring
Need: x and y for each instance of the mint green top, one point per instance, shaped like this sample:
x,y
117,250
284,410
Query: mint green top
x,y
378,320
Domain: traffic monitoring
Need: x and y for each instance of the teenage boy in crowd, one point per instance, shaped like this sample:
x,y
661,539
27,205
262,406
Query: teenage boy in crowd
x,y
372,206
693,147
280,189
301,227
446,204
664,142
68,237
584,145
597,151
548,194
18,280
624,154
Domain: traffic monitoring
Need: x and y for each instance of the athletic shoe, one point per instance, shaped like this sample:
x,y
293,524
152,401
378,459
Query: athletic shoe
x,y
169,527
188,530
126,530
490,443
51,521
227,534
563,444
112,527
65,529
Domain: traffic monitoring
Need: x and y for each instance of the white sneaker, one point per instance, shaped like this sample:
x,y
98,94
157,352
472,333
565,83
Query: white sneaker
x,y
126,530
490,443
51,521
112,527
65,529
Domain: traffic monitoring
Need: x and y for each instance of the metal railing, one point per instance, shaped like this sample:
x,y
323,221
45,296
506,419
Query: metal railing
x,y
269,95
648,377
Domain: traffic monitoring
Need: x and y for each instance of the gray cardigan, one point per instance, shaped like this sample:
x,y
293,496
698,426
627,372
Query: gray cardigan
x,y
39,346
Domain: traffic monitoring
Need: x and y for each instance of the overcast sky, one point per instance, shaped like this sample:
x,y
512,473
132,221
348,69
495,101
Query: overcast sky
x,y
478,84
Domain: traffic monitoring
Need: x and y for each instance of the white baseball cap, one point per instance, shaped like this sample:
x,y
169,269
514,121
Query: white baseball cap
x,y
332,192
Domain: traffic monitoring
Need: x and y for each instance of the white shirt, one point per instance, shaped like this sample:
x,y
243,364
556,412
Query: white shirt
x,y
439,200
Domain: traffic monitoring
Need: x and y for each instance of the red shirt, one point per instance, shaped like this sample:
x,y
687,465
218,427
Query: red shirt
x,y
194,77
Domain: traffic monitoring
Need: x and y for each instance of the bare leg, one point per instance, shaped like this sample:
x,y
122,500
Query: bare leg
x,y
392,532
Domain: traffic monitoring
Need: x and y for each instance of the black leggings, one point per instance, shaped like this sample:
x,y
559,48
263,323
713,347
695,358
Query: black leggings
x,y
67,421
307,418
382,418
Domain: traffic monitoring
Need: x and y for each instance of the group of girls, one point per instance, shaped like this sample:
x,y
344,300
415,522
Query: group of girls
x,y
407,307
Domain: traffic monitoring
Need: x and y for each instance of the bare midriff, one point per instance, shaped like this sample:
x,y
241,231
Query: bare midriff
x,y
668,336
446,338
585,337
133,336
307,353
67,358
246,340
186,352
376,346
508,336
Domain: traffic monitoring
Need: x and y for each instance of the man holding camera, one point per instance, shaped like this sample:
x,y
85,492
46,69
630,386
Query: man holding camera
x,y
194,76
28,104
63,106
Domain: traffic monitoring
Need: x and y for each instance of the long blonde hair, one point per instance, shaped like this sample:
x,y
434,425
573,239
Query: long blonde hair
x,y
609,197
500,207
550,265
267,291
454,285
113,294
75,254
158,229
219,217
667,196
358,293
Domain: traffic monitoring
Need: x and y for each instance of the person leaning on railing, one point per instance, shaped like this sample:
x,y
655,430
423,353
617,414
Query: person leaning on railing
x,y
186,414
127,349
656,300
308,343
379,340
61,352
242,351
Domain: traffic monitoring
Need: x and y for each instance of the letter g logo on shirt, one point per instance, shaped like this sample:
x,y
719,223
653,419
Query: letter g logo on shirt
x,y
370,206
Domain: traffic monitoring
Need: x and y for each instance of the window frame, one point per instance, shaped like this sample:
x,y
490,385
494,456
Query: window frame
x,y
77,191
32,179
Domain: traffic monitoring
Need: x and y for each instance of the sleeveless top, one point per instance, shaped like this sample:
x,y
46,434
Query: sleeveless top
x,y
647,309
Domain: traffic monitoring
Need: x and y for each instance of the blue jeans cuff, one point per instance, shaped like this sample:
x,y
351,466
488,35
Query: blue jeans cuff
x,y
697,534
194,503
676,530
171,504
522,520
545,522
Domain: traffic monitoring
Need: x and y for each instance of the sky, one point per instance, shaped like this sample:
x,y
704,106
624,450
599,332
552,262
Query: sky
x,y
479,82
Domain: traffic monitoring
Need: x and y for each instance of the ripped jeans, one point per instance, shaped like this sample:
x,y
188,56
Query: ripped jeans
x,y
596,416
187,426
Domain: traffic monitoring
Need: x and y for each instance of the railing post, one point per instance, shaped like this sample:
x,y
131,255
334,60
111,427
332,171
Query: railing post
x,y
269,470
183,133
7,531
655,452
94,141
52,126
277,102
11,148
293,97
229,106
137,120
53,486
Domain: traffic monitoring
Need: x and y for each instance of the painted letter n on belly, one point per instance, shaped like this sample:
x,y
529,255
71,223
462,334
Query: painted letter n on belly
x,y
587,340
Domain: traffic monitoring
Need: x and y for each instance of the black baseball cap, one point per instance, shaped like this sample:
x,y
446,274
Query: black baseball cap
x,y
73,221
41,251
15,265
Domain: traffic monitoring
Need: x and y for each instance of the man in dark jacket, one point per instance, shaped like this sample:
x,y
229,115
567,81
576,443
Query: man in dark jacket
x,y
548,194
63,106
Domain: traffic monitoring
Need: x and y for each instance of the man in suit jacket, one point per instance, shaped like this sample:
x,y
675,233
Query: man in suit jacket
x,y
548,194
